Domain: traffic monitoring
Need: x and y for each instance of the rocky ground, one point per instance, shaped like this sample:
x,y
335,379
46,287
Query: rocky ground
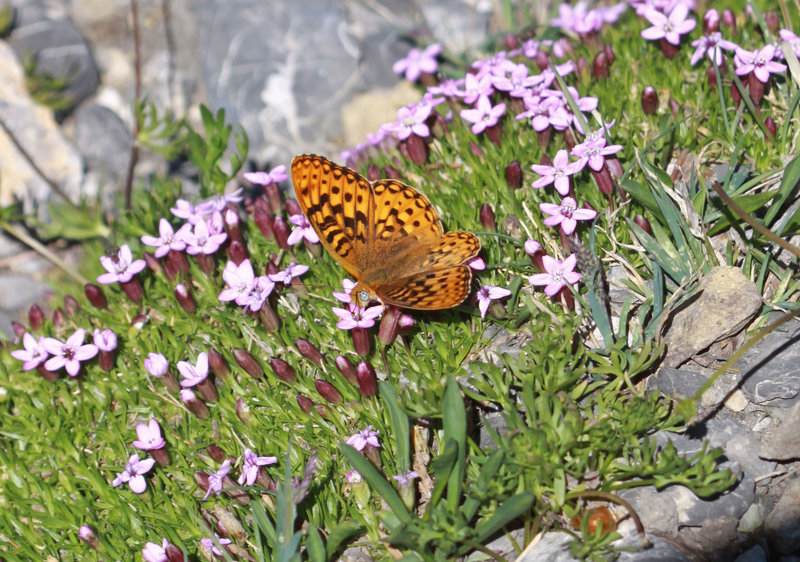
x,y
316,76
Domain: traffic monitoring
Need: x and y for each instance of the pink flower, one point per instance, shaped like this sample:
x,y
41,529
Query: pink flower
x,y
303,230
557,174
68,354
167,239
156,364
477,86
33,354
120,268
356,317
416,62
669,27
792,39
275,175
250,466
484,115
105,340
201,240
759,62
366,436
149,436
194,374
154,553
532,247
711,46
344,296
215,480
517,83
288,273
406,477
240,279
186,211
133,474
486,294
593,150
558,274
567,214
476,263
410,120
211,547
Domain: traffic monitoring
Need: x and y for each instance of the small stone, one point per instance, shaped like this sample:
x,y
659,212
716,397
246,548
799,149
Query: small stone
x,y
783,441
737,401
780,524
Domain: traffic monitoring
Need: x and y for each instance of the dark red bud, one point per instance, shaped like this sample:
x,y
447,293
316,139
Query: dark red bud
x,y
566,46
139,321
105,359
262,218
133,290
438,124
391,173
322,410
649,100
217,453
18,328
161,456
367,380
668,49
475,149
347,369
610,56
201,479
373,172
600,66
569,140
756,88
153,263
510,42
514,175
175,265
282,370
494,133
217,364
248,363
95,296
207,390
486,215
87,534
328,391
642,223
71,306
268,317
293,207
711,77
711,21
309,351
281,230
35,317
674,107
274,197
237,252
304,403
361,341
174,554
243,412
729,20
605,182
184,298
194,404
206,263
49,376
614,166
772,20
770,124
59,317
417,149
541,59
387,331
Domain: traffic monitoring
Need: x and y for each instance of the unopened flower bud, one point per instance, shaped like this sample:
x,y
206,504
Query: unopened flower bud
x,y
282,370
231,219
609,51
583,67
367,380
95,296
153,263
600,66
642,223
304,403
274,197
243,412
19,329
71,306
674,107
769,123
206,263
217,453
328,391
207,390
361,341
711,77
184,298
711,21
281,230
668,49
175,265
756,88
373,172
649,100
217,364
605,183
309,351
248,363
133,290
262,218
486,215
174,554
322,410
387,331
437,124
541,59
139,321
514,175
347,369
391,173
59,317
237,252
293,207
772,20
87,534
510,42
493,133
35,317
417,149
475,149
269,318
535,253
729,20
194,404
49,376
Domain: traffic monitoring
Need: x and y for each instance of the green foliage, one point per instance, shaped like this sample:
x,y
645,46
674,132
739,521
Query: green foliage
x,y
207,152
45,88
160,133
7,18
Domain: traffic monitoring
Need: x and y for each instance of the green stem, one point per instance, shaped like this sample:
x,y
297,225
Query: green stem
x,y
23,237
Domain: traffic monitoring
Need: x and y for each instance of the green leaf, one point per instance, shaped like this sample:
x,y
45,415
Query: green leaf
x,y
315,547
454,423
339,534
442,466
510,509
399,421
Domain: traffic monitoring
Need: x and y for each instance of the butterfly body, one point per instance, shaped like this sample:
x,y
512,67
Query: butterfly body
x,y
385,234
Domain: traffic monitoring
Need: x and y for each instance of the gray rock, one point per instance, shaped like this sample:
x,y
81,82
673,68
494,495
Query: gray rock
x,y
552,547
661,551
782,442
754,554
657,510
781,524
20,291
771,368
103,140
58,47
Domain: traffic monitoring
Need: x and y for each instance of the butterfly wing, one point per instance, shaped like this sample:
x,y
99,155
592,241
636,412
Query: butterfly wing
x,y
440,280
338,203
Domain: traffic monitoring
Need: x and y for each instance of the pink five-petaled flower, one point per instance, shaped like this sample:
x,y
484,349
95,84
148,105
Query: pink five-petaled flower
x,y
558,173
288,273
120,268
410,119
251,463
405,478
477,86
149,436
215,480
669,27
201,240
793,40
303,230
154,553
558,274
105,340
167,239
366,436
759,62
240,279
33,354
593,150
567,214
133,474
68,354
211,546
356,317
486,294
186,211
156,364
263,178
344,296
418,61
711,45
484,115
194,374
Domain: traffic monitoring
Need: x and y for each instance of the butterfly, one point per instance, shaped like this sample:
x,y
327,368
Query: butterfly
x,y
385,234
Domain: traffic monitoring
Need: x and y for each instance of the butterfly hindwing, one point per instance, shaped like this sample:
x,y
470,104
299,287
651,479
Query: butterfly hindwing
x,y
429,290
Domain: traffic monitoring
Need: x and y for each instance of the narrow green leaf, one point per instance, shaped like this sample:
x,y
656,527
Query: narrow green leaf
x,y
315,546
442,466
375,481
400,426
454,423
510,509
339,534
